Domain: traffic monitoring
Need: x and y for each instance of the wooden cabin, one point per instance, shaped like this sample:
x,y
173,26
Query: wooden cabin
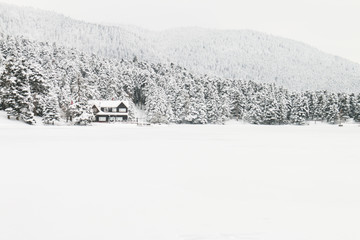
x,y
110,111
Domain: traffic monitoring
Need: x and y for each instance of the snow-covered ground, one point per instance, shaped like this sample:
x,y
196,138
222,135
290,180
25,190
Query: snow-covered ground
x,y
179,182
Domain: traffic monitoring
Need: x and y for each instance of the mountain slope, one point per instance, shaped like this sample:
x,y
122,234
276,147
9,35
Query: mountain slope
x,y
245,55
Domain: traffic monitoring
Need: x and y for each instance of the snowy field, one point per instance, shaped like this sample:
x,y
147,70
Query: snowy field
x,y
179,182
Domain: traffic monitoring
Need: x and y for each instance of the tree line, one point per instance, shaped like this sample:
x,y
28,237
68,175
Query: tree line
x,y
54,82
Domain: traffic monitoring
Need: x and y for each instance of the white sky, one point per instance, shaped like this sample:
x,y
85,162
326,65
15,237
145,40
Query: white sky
x,y
330,25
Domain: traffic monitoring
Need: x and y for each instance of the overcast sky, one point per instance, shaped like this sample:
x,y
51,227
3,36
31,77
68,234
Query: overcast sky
x,y
330,25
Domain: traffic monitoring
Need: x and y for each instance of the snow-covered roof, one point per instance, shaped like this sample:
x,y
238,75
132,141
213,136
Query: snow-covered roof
x,y
107,103
111,114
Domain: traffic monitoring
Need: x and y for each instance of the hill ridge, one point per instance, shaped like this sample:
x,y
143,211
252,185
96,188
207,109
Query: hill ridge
x,y
239,54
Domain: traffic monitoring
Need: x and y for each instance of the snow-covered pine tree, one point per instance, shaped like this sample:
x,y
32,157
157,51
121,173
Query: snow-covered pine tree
x,y
344,106
332,109
39,87
311,99
81,111
8,90
157,108
352,99
51,109
270,110
25,101
180,106
15,90
212,100
86,115
196,109
255,113
299,110
24,97
225,102
2,66
238,102
319,105
283,104
357,108
273,109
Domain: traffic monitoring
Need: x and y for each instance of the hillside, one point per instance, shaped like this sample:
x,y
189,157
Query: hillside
x,y
244,54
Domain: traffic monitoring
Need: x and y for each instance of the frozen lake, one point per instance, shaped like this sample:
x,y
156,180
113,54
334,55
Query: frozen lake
x,y
179,182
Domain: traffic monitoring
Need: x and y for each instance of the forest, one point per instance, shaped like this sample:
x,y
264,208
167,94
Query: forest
x,y
56,83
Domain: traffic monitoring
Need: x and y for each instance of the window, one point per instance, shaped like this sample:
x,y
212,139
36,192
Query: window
x,y
102,119
114,110
122,110
119,119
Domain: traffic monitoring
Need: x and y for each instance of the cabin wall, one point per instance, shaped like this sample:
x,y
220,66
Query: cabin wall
x,y
107,118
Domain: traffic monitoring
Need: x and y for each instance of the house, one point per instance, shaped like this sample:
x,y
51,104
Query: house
x,y
109,111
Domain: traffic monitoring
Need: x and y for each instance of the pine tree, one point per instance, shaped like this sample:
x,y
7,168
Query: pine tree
x,y
51,110
299,110
157,108
86,116
255,113
312,100
332,109
270,111
357,108
15,91
39,87
352,99
319,106
25,101
344,106
212,101
8,89
81,111
283,103
237,104
196,109
180,106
